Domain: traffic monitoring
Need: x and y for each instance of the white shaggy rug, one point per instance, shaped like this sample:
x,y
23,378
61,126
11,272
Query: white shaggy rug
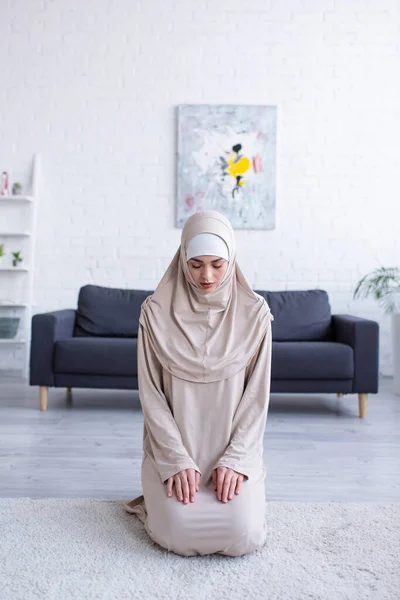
x,y
92,549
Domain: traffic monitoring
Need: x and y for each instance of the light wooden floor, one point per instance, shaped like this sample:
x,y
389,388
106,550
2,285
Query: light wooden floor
x,y
317,448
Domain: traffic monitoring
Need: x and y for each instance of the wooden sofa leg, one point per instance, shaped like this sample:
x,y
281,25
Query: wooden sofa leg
x,y
44,394
362,405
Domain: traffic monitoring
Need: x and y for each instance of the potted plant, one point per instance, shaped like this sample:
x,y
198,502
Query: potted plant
x,y
17,189
17,258
384,285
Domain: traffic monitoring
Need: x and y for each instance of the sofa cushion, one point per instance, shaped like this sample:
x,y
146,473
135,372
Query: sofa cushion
x,y
108,312
301,315
96,356
312,360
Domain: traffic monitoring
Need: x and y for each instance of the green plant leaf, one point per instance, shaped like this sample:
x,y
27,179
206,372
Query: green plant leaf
x,y
384,285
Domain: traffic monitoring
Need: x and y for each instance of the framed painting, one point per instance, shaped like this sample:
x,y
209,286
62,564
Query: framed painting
x,y
227,162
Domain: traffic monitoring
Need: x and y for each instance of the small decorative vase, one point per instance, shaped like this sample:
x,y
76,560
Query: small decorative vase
x,y
8,327
4,184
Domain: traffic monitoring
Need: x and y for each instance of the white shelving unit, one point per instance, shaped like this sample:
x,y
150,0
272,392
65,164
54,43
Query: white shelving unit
x,y
9,305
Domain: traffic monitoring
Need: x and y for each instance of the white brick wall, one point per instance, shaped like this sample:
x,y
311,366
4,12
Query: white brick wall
x,y
93,86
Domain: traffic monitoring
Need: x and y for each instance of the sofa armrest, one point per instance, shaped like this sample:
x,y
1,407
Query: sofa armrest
x,y
363,336
48,328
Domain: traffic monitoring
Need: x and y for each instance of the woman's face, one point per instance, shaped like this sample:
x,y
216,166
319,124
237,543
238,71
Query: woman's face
x,y
207,269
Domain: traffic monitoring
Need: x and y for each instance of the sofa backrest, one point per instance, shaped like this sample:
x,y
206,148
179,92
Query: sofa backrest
x,y
108,312
303,315
300,315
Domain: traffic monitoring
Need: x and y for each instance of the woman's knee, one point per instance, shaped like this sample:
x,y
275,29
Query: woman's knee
x,y
246,542
172,528
247,533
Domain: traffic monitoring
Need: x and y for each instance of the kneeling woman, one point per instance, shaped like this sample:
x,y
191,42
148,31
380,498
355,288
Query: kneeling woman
x,y
204,370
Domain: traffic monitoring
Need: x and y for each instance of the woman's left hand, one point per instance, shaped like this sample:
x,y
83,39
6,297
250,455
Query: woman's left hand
x,y
226,483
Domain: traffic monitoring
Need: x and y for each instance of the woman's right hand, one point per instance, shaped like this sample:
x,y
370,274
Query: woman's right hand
x,y
186,485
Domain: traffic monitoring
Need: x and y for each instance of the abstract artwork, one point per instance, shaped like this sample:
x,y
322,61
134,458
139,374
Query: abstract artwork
x,y
227,162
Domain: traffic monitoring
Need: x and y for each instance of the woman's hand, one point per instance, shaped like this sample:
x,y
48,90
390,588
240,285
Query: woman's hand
x,y
186,485
226,483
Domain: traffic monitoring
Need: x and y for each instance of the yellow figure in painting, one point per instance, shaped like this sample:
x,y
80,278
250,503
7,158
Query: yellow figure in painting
x,y
236,165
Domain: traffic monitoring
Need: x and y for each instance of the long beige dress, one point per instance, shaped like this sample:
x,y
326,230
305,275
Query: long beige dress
x,y
202,426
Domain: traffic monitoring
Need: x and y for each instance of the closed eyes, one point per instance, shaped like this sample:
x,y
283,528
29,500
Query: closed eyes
x,y
199,267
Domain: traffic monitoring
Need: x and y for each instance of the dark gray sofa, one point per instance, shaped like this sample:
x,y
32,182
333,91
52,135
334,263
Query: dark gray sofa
x,y
313,351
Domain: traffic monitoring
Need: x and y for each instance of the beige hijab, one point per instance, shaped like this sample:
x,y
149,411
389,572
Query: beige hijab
x,y
204,336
